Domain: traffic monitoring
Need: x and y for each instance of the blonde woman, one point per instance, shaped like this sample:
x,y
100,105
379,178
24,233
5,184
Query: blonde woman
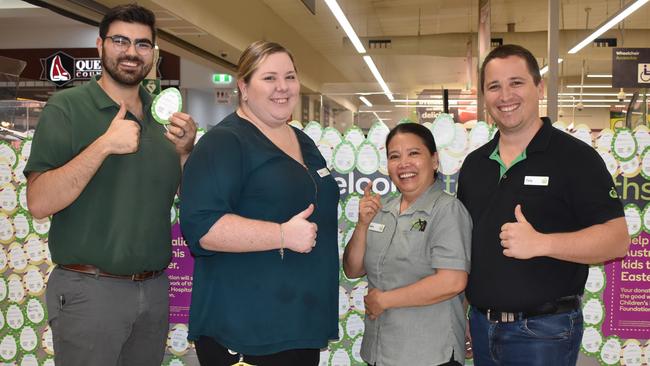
x,y
259,212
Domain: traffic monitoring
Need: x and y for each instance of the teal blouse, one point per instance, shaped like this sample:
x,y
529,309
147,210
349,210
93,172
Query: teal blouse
x,y
255,303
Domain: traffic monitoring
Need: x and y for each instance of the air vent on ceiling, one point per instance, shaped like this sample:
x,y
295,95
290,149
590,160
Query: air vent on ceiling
x,y
605,42
379,43
496,42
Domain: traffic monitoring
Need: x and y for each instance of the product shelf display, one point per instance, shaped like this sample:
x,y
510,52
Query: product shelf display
x,y
18,118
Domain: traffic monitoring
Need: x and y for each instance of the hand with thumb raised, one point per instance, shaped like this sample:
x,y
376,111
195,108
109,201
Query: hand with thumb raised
x,y
520,215
520,239
122,135
299,233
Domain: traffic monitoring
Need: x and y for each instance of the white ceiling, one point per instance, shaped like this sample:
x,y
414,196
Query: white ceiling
x,y
434,42
435,35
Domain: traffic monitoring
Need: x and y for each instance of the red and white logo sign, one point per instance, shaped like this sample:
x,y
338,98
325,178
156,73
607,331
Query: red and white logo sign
x,y
58,71
58,68
61,68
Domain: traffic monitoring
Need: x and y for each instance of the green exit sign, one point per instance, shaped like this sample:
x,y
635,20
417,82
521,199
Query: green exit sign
x,y
221,78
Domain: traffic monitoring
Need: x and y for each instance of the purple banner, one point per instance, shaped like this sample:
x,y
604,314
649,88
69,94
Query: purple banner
x,y
627,293
180,272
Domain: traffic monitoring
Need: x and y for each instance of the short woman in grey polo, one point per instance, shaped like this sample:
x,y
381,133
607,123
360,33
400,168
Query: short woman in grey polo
x,y
415,250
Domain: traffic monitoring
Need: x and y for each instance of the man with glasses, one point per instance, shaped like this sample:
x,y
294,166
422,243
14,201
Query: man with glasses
x,y
107,172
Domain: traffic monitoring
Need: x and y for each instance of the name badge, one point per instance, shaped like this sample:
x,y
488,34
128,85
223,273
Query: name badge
x,y
376,227
323,172
535,180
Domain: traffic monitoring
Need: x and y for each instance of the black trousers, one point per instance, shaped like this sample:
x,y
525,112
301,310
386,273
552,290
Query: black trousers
x,y
211,353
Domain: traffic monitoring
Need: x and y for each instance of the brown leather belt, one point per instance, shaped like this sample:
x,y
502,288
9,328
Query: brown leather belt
x,y
94,271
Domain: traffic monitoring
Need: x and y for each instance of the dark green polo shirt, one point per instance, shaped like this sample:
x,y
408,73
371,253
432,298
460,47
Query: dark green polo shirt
x,y
562,186
121,221
254,302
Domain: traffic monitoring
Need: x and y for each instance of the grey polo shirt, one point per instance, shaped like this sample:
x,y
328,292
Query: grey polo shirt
x,y
400,255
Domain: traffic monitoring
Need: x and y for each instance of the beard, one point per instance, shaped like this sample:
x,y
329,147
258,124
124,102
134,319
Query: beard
x,y
127,78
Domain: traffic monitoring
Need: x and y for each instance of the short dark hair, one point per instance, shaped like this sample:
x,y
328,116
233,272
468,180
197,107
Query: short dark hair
x,y
418,130
508,50
129,13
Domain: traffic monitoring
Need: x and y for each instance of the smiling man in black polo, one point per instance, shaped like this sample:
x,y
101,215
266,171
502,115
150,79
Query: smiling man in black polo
x,y
543,207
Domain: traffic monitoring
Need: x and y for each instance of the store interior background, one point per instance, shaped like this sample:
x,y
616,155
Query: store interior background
x,y
419,47
433,46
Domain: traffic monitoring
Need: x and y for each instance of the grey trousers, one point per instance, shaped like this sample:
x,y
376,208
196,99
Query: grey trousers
x,y
104,321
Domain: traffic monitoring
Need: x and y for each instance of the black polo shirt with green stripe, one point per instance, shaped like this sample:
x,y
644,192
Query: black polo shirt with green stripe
x,y
121,220
562,185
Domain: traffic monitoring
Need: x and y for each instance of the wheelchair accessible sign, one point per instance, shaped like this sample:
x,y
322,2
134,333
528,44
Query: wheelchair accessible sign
x,y
631,67
644,74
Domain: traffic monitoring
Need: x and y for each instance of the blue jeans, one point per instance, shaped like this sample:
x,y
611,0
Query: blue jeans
x,y
535,341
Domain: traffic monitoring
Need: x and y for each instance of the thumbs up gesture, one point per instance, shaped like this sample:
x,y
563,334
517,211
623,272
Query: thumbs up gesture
x,y
519,239
299,233
123,135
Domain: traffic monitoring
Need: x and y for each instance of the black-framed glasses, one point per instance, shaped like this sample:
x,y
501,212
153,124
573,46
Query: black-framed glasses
x,y
122,43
